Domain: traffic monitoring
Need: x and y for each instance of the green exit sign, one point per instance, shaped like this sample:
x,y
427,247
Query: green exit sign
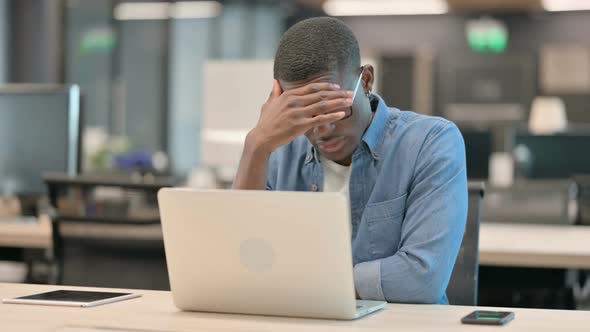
x,y
487,35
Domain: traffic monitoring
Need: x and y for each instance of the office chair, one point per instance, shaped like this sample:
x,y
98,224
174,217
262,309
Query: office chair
x,y
462,289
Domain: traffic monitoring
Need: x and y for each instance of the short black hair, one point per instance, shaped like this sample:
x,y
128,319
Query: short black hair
x,y
315,46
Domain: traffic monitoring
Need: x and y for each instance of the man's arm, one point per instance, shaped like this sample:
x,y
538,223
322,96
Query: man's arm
x,y
432,229
283,118
253,168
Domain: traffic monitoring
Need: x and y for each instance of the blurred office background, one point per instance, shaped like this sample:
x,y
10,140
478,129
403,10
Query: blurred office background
x,y
141,65
168,90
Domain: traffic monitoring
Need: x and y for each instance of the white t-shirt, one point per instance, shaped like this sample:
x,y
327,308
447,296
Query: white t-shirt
x,y
336,176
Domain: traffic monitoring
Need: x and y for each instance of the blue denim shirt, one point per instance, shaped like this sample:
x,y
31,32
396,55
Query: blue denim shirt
x,y
408,200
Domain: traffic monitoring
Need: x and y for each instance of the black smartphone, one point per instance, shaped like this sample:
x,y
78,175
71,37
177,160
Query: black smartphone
x,y
488,317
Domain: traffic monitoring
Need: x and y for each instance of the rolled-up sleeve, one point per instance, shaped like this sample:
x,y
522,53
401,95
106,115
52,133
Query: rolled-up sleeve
x,y
432,229
367,278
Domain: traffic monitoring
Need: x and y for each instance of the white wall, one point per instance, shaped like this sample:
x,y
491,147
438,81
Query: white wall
x,y
233,96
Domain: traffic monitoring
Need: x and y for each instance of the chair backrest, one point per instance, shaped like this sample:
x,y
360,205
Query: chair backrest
x,y
462,289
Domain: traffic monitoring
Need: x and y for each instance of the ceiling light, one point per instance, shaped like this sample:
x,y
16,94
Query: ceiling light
x,y
384,7
566,5
141,11
195,9
166,10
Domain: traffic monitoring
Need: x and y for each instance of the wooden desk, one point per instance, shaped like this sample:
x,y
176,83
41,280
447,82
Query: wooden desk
x,y
26,234
154,312
527,245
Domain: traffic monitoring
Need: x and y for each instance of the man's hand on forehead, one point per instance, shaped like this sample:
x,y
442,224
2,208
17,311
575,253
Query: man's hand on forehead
x,y
323,97
289,114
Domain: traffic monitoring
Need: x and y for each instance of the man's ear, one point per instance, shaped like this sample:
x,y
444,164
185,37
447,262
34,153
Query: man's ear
x,y
368,78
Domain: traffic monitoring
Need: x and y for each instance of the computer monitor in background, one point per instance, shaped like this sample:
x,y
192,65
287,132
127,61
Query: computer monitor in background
x,y
39,132
555,156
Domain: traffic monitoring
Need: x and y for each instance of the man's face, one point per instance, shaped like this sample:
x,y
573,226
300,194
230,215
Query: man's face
x,y
337,141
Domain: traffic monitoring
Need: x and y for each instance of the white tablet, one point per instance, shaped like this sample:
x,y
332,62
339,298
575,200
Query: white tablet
x,y
72,298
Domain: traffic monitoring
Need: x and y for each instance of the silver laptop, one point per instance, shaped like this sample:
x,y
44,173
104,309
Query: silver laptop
x,y
259,252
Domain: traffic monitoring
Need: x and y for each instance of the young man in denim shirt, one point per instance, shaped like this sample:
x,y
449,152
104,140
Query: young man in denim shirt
x,y
323,130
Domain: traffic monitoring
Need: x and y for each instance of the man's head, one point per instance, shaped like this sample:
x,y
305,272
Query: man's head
x,y
316,46
325,50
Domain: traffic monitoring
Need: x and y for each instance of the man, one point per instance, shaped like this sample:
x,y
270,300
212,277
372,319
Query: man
x,y
404,173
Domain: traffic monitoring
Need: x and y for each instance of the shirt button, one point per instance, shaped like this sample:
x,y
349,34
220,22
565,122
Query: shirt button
x,y
314,187
308,157
376,155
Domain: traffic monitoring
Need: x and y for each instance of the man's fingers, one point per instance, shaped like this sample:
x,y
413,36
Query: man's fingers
x,y
301,101
326,106
313,88
324,119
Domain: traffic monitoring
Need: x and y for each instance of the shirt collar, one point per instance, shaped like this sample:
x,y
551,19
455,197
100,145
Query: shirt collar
x,y
373,135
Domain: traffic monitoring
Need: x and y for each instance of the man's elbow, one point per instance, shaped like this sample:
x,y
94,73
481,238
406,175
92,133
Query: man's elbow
x,y
432,291
428,287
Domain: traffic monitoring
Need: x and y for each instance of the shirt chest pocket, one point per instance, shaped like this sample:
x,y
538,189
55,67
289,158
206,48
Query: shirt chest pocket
x,y
384,222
